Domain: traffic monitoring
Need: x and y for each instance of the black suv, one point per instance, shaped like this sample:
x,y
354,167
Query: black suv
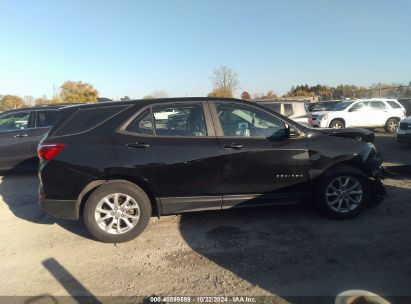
x,y
118,163
20,132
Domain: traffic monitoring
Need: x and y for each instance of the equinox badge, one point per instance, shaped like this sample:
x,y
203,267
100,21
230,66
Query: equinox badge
x,y
289,176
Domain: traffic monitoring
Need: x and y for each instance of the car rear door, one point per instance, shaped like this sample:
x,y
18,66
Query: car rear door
x,y
174,144
379,113
262,164
14,139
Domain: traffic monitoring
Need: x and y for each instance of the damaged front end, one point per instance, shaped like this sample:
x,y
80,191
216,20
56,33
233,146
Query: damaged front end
x,y
373,161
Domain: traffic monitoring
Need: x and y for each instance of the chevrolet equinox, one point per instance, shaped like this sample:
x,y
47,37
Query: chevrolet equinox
x,y
117,164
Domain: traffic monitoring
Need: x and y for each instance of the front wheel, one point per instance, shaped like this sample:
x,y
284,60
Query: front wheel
x,y
117,212
391,125
342,195
337,124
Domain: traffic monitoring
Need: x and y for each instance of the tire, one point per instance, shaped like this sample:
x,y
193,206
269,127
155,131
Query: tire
x,y
325,196
119,222
391,125
337,124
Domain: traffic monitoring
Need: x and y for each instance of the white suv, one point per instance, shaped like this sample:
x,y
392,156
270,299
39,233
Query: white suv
x,y
366,113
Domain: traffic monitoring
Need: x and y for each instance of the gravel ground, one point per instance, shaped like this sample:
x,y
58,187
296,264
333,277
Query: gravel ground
x,y
283,251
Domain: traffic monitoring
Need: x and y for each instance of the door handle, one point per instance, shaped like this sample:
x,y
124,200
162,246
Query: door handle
x,y
234,146
20,135
138,145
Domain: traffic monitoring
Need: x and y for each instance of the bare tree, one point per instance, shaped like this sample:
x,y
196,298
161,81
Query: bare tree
x,y
225,82
157,94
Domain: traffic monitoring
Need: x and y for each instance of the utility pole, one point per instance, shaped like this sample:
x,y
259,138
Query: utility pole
x,y
379,89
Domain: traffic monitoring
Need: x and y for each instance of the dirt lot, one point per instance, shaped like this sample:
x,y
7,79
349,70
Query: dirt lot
x,y
282,251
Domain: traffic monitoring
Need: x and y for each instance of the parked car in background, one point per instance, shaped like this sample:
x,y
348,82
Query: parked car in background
x,y
321,105
125,162
295,110
354,133
406,103
365,113
404,131
20,132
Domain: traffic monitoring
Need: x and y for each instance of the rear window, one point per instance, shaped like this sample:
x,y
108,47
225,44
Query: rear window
x,y
394,104
46,118
86,119
377,105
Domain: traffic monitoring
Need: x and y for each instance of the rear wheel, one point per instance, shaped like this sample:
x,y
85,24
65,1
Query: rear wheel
x,y
117,212
337,124
342,194
391,125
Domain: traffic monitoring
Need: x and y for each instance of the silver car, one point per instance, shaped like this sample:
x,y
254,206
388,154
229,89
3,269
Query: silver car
x,y
296,110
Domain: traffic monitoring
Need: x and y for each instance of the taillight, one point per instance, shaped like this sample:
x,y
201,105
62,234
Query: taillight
x,y
47,151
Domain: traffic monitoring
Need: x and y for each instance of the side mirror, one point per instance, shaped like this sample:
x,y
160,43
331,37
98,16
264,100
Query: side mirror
x,y
279,134
293,131
352,109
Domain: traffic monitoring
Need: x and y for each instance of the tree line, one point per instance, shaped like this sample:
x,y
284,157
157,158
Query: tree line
x,y
70,92
225,82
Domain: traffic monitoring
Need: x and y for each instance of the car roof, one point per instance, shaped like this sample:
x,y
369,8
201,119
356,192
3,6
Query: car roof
x,y
326,101
122,102
376,99
158,101
37,108
265,101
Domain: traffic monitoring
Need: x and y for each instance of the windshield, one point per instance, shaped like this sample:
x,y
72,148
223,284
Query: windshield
x,y
322,107
341,106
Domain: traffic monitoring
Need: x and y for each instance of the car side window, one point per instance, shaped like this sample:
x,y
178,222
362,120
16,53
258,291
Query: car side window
x,y
180,120
394,104
14,121
377,105
142,124
288,109
243,121
46,118
360,106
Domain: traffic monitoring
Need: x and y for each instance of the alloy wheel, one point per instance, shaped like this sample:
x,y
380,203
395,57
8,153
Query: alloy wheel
x,y
344,194
393,125
117,213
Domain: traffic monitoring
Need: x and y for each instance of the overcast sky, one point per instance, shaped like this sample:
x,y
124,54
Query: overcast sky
x,y
135,47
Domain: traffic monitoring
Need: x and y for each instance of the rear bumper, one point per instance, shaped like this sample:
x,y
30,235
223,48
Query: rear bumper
x,y
64,209
404,138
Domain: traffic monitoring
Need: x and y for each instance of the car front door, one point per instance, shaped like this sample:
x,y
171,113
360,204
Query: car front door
x,y
263,164
358,115
14,139
179,153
